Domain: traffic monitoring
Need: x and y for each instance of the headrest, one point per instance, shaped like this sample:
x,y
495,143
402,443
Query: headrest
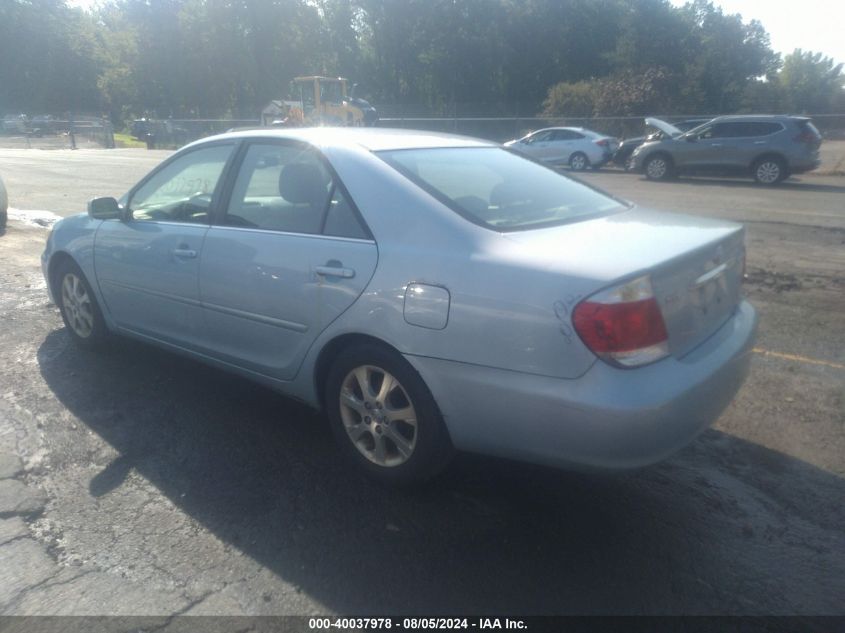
x,y
301,183
505,194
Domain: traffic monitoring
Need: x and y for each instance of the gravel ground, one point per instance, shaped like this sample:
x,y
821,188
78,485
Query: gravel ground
x,y
159,486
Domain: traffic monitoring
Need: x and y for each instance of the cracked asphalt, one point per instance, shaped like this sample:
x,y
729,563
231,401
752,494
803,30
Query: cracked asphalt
x,y
158,486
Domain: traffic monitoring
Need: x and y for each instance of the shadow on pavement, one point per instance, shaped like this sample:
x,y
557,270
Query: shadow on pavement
x,y
793,184
724,527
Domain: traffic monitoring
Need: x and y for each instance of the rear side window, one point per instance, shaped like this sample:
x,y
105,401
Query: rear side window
x,y
280,188
497,189
341,219
567,135
762,128
288,188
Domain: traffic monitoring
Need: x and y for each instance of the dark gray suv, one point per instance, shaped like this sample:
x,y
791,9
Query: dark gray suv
x,y
768,148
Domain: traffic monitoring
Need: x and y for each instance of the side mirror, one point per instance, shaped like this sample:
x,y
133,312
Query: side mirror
x,y
104,209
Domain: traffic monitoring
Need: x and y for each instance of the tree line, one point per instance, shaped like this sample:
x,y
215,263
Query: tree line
x,y
227,58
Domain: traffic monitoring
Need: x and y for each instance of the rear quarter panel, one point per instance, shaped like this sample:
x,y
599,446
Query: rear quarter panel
x,y
504,312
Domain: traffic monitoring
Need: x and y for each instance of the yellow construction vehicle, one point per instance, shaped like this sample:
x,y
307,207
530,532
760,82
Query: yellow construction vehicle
x,y
324,101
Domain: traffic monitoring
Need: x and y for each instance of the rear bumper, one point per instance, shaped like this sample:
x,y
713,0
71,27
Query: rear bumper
x,y
803,167
608,418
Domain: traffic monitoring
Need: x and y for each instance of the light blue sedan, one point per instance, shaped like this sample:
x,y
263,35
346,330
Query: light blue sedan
x,y
429,292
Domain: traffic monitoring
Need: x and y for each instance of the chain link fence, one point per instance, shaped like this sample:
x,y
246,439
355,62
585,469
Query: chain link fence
x,y
48,132
174,133
832,126
90,131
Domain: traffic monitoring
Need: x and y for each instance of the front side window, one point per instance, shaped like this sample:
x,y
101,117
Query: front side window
x,y
540,137
498,189
331,92
718,130
288,188
181,191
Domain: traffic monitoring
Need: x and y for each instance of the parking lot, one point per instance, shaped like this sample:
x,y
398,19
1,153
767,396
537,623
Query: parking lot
x,y
170,487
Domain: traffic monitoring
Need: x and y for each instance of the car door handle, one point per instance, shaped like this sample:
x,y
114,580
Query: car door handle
x,y
334,271
184,253
715,145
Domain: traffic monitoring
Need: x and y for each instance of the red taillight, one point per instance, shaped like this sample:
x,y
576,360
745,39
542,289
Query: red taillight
x,y
602,142
620,327
623,325
806,137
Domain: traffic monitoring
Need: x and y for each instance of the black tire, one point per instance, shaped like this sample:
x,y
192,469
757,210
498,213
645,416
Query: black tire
x,y
579,161
658,167
769,171
432,449
83,319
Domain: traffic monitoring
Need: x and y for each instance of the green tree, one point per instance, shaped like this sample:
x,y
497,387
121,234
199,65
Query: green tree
x,y
48,60
576,99
724,55
811,83
626,93
213,58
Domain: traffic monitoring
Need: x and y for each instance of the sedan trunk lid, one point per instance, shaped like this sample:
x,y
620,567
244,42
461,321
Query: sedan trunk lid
x,y
695,264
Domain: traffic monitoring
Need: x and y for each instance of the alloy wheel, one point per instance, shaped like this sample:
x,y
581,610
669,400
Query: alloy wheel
x,y
768,172
378,416
578,162
656,168
77,305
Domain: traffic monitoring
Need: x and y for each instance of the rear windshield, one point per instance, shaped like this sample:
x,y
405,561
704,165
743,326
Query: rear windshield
x,y
497,189
805,124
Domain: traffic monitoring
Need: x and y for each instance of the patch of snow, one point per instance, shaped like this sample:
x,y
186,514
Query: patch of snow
x,y
32,217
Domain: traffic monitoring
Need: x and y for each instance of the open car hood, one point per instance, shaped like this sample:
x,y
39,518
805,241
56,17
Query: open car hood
x,y
666,128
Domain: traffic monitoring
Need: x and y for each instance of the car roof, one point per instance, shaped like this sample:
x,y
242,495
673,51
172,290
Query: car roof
x,y
372,139
583,130
760,117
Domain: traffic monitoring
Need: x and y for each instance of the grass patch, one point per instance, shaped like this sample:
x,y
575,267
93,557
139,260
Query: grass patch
x,y
125,140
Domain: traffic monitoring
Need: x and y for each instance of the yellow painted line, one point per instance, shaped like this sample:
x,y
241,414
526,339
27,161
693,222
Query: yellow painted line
x,y
800,359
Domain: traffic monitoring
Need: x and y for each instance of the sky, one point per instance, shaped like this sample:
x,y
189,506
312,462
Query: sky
x,y
815,25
